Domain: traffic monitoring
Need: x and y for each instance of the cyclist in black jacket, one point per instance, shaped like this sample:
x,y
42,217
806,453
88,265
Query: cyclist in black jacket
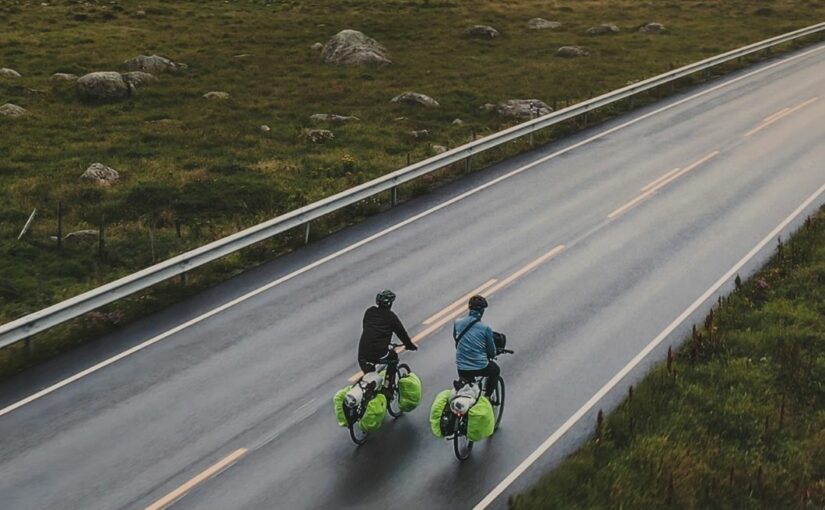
x,y
379,324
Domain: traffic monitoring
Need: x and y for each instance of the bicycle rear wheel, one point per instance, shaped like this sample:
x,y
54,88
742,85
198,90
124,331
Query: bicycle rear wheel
x,y
394,406
358,436
461,445
497,400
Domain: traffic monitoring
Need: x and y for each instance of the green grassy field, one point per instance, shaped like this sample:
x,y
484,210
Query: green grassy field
x,y
735,421
207,169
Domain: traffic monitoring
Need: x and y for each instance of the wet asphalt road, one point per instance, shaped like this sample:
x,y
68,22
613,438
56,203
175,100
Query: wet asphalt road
x,y
260,375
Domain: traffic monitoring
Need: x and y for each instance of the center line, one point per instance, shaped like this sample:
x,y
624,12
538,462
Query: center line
x,y
463,299
660,179
779,116
184,489
660,183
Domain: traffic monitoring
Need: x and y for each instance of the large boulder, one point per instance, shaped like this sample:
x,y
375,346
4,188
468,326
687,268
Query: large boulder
x,y
652,28
59,77
138,78
9,73
12,110
523,108
482,32
572,52
353,48
103,86
603,29
415,99
332,118
152,64
101,174
542,24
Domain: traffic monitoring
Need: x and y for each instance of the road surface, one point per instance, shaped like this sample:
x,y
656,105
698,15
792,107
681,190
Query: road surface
x,y
589,249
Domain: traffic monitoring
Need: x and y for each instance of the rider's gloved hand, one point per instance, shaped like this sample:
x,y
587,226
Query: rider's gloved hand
x,y
412,347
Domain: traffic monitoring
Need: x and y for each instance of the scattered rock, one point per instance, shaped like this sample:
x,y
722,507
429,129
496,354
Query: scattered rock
x,y
63,77
332,118
353,48
242,55
571,52
652,28
523,108
542,24
139,14
603,29
265,129
12,110
9,73
81,236
415,99
458,122
103,86
164,122
482,32
317,46
419,134
319,135
152,64
137,78
216,95
101,174
400,119
438,149
488,107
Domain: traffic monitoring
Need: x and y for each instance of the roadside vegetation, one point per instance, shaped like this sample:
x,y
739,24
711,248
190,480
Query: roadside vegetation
x,y
193,170
735,419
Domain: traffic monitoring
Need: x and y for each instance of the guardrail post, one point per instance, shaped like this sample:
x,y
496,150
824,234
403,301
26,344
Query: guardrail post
x,y
101,242
306,233
59,224
29,346
394,195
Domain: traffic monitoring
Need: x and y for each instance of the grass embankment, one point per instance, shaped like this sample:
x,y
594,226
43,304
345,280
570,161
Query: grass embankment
x,y
735,421
195,170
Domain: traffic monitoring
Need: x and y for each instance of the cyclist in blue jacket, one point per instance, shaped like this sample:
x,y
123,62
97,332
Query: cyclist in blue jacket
x,y
475,346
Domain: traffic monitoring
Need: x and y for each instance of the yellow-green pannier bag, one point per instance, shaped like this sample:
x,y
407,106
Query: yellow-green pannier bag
x,y
481,422
409,392
374,413
441,401
338,402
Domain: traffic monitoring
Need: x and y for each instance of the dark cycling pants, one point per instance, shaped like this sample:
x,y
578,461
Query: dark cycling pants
x,y
390,359
491,372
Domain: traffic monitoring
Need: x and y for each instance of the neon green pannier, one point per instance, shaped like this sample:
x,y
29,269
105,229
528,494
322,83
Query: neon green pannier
x,y
441,401
338,402
409,391
481,422
374,413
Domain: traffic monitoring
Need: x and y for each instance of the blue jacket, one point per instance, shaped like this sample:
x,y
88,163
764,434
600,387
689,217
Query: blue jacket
x,y
476,346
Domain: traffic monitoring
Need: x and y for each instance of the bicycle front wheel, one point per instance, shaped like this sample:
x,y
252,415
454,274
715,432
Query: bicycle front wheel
x,y
497,400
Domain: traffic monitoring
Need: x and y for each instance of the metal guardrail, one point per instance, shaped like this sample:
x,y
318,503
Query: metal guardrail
x,y
42,320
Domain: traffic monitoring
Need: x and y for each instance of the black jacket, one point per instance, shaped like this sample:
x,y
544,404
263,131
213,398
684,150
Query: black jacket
x,y
379,325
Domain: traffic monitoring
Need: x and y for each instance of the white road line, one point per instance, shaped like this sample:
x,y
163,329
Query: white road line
x,y
200,318
555,436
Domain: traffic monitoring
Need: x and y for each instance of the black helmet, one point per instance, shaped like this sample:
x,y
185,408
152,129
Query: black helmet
x,y
385,298
477,303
